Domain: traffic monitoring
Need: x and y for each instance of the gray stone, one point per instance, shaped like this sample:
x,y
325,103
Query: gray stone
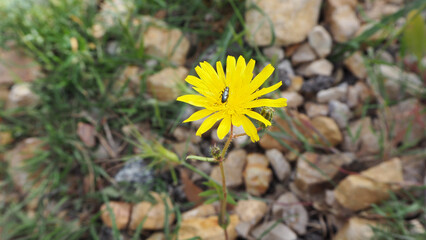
x,y
279,164
274,53
289,208
320,40
340,112
334,93
277,231
291,21
303,54
135,171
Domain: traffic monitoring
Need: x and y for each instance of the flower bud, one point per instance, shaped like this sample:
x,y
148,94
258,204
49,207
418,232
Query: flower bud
x,y
268,114
215,152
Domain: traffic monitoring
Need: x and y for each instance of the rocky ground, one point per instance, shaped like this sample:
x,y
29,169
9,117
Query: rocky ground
x,y
351,139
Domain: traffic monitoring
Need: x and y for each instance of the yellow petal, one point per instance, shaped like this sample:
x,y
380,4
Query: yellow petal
x,y
209,122
212,73
224,127
220,72
260,78
230,68
280,102
264,91
250,129
198,115
196,100
236,120
207,79
258,117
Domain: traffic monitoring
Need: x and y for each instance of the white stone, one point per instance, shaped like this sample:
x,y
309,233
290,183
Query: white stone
x,y
21,95
303,54
279,163
292,20
344,23
320,40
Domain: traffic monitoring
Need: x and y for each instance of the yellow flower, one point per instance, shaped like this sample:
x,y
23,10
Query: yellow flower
x,y
231,97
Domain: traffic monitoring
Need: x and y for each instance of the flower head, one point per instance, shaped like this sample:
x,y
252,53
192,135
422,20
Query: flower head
x,y
230,97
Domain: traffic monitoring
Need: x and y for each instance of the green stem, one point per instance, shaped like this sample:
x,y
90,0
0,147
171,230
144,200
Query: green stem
x,y
223,219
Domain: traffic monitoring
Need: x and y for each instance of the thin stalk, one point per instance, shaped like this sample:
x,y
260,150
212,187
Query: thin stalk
x,y
222,214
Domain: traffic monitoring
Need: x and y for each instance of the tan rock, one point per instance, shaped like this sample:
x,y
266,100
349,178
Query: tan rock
x,y
234,166
251,210
313,170
318,67
355,64
358,192
204,210
207,228
152,216
289,208
301,123
21,95
362,138
17,67
131,78
161,41
257,175
344,23
328,129
120,211
18,159
163,85
294,99
314,109
5,138
407,118
296,84
157,236
291,21
356,229
111,13
359,94
4,93
320,40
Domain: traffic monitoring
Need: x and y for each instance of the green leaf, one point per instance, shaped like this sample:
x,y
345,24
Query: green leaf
x,y
208,193
414,35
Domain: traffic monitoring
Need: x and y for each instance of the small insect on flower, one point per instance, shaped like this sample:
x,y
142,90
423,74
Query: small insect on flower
x,y
225,95
235,108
